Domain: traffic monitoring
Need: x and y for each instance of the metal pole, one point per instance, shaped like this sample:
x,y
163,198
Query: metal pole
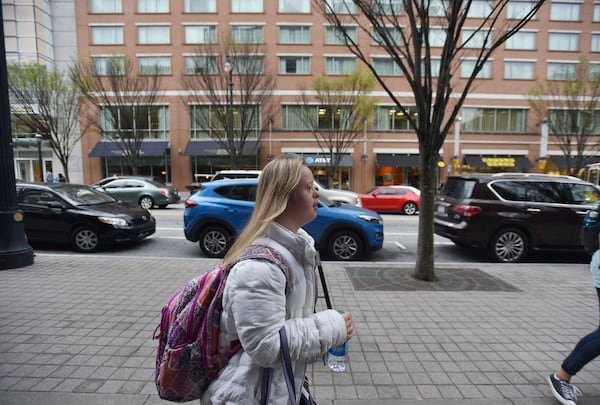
x,y
40,161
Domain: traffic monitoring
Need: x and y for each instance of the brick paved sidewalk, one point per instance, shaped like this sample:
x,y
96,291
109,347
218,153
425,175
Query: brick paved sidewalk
x,y
77,328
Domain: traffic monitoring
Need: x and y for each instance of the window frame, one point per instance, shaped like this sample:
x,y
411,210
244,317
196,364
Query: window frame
x,y
105,6
210,34
304,6
159,7
103,30
141,33
304,30
305,61
154,68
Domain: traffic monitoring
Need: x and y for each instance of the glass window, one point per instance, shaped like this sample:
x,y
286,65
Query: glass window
x,y
475,39
595,43
294,34
155,65
292,116
294,6
108,65
200,6
387,7
330,118
249,64
437,8
494,120
561,70
480,9
467,66
106,6
563,41
595,76
201,64
522,70
200,34
153,34
338,65
572,121
246,6
205,119
596,17
248,34
152,6
389,118
151,122
565,11
341,6
391,33
437,37
518,9
107,35
522,40
333,36
385,66
294,65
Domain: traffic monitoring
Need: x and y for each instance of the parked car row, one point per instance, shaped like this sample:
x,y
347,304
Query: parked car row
x,y
508,215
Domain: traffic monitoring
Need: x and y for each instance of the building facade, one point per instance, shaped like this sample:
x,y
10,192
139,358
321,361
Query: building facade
x,y
497,130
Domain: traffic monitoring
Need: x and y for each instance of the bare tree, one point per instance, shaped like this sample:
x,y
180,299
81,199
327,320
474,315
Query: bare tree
x,y
570,108
339,118
48,104
123,99
229,91
406,31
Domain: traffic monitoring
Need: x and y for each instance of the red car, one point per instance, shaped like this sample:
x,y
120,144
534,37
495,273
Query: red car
x,y
401,199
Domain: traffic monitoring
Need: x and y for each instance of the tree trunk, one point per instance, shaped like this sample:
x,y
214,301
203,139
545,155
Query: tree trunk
x,y
424,267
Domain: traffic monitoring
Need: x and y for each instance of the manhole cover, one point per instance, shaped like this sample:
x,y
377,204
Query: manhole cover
x,y
400,279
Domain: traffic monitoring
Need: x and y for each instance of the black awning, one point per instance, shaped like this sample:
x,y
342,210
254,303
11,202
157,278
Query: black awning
x,y
325,160
115,149
397,160
492,161
213,148
561,161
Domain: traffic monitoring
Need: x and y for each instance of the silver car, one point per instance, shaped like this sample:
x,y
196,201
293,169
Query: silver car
x,y
139,191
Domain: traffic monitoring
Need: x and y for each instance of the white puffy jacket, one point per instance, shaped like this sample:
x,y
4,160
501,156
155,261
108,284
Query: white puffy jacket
x,y
255,307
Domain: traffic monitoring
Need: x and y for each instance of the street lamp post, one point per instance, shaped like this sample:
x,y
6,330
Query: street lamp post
x,y
39,138
229,69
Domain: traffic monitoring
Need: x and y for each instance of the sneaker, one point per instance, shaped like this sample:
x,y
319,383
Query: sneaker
x,y
565,392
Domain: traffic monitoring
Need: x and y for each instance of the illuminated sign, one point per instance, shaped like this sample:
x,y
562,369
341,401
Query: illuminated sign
x,y
499,161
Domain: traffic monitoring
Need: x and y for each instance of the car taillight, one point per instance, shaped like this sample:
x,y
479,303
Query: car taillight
x,y
190,203
164,192
466,210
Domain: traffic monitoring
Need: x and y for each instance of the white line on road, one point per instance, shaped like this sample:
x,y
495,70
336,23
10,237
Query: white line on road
x,y
400,245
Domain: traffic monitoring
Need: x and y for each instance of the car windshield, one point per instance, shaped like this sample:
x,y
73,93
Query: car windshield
x,y
85,195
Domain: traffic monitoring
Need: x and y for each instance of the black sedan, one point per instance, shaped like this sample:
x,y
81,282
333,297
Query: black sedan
x,y
80,216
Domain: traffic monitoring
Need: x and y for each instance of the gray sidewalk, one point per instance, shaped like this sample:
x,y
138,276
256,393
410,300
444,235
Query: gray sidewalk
x,y
77,329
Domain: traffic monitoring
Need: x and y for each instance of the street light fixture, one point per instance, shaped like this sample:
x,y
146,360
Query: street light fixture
x,y
39,139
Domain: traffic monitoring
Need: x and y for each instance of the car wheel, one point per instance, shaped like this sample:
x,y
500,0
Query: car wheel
x,y
85,240
215,241
410,208
345,246
146,202
509,245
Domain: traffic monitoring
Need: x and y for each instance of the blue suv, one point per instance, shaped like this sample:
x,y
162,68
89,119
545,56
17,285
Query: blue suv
x,y
218,212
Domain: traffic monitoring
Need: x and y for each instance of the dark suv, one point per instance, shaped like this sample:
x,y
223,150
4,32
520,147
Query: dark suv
x,y
510,214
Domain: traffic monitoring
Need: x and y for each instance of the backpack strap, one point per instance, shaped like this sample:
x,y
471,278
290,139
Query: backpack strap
x,y
264,252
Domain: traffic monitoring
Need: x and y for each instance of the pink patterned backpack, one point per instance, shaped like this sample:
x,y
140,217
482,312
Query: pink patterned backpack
x,y
187,360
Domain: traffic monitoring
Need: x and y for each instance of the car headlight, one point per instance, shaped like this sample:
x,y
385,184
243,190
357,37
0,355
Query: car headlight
x,y
116,222
370,218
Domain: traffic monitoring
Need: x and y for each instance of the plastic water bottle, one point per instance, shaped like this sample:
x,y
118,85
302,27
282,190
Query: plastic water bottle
x,y
337,357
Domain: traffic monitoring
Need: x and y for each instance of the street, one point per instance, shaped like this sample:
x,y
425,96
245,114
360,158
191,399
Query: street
x,y
400,243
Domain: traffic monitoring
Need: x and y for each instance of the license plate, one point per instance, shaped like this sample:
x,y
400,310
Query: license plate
x,y
441,210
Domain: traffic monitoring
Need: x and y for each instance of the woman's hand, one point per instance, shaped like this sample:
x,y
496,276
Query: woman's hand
x,y
349,325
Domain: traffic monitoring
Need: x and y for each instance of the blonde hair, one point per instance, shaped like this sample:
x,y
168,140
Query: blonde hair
x,y
276,184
